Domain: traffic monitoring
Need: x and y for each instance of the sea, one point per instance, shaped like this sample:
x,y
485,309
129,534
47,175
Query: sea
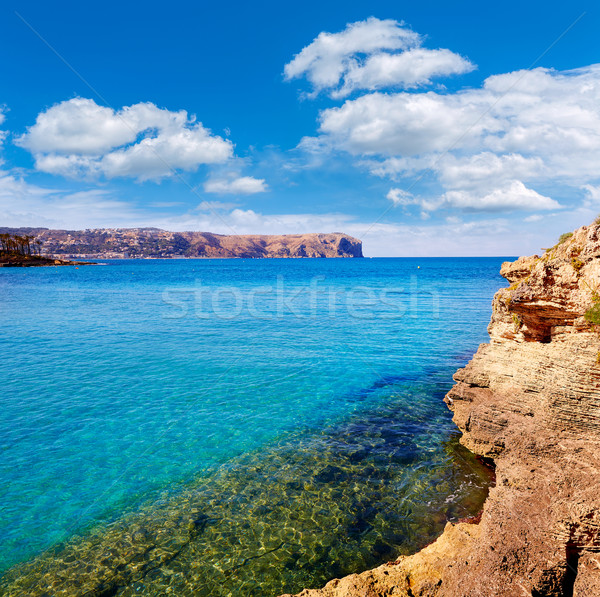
x,y
231,427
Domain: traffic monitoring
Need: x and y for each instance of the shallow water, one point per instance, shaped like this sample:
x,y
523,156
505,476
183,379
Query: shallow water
x,y
282,440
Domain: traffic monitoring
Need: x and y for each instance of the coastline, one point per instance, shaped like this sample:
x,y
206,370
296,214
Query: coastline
x,y
152,243
267,511
37,261
530,402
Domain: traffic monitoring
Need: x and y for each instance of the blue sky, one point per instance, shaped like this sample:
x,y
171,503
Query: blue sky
x,y
427,128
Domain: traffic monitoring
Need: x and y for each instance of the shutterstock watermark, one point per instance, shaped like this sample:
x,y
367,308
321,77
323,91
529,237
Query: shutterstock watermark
x,y
316,299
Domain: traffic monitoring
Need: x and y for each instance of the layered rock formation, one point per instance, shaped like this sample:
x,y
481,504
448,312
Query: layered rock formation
x,y
106,243
530,401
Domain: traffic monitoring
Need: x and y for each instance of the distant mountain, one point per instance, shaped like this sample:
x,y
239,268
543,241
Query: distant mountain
x,y
111,243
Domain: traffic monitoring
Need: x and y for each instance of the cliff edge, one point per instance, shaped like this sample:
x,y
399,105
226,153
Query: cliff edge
x,y
530,402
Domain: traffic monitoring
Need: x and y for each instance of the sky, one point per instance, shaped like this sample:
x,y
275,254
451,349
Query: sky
x,y
423,128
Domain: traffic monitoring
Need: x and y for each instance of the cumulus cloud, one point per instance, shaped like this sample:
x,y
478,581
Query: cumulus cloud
x,y
405,124
80,138
512,196
371,54
413,68
479,169
243,185
537,113
488,147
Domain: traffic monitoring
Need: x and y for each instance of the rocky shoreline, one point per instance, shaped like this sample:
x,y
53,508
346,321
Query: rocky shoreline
x,y
36,261
530,402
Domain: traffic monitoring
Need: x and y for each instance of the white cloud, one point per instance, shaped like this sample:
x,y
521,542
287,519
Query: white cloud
x,y
592,193
215,206
479,169
537,113
404,124
513,195
79,126
3,134
401,197
333,61
534,218
79,138
243,185
489,148
413,68
25,204
13,188
396,167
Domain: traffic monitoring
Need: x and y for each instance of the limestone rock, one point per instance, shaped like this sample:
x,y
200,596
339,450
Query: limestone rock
x,y
529,400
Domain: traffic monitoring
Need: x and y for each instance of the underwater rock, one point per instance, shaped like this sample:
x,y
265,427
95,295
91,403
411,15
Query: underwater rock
x,y
296,512
529,400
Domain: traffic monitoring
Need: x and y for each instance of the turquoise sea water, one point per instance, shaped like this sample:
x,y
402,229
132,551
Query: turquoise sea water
x,y
203,381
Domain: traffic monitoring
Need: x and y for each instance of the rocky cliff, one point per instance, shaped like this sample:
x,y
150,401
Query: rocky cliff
x,y
106,243
530,402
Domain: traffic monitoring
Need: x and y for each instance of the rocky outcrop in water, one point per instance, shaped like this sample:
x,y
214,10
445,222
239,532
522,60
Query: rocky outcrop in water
x,y
530,401
111,243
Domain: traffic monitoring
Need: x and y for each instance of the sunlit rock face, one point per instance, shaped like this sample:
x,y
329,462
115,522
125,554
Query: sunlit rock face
x,y
530,401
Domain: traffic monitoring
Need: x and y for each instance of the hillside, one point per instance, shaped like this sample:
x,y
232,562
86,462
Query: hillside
x,y
113,243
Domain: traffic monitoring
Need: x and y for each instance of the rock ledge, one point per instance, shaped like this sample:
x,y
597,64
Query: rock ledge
x,y
530,401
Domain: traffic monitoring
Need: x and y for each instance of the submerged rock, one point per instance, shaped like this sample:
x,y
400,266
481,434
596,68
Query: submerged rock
x,y
295,512
529,400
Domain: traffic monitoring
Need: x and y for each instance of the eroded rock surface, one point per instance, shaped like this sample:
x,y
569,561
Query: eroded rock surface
x,y
529,400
